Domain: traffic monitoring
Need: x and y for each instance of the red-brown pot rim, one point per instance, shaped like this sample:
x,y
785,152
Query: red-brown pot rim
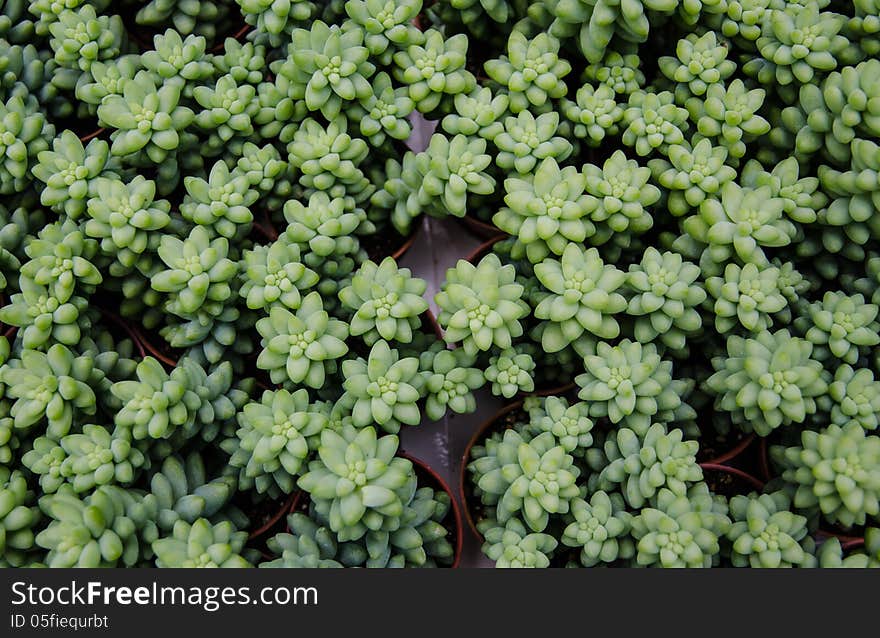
x,y
408,242
550,392
481,229
238,35
430,318
734,452
479,434
297,500
458,532
847,541
85,139
286,507
721,468
482,250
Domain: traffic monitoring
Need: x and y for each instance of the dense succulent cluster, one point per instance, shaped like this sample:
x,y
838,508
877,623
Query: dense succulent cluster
x,y
204,198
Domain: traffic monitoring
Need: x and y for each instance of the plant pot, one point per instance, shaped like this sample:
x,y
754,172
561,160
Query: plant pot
x,y
427,478
238,35
847,541
126,329
430,321
274,518
550,392
483,249
380,246
85,139
481,229
730,480
734,452
470,503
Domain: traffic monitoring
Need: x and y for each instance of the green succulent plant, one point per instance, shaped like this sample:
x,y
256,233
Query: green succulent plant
x,y
835,471
479,112
569,424
387,25
855,397
526,140
198,273
308,545
582,297
326,227
677,534
617,70
43,318
202,545
328,159
122,216
742,19
841,326
204,17
18,517
384,389
481,305
512,546
631,384
301,347
155,404
746,296
600,528
767,380
664,295
61,259
448,380
229,108
623,192
831,553
796,44
652,122
328,66
595,113
742,222
451,169
728,114
69,171
597,22
801,196
179,60
24,134
548,210
526,479
106,78
146,119
221,202
276,18
832,115
88,459
434,68
244,62
81,37
386,302
691,175
766,533
360,480
109,527
699,62
384,112
644,465
275,275
510,372
273,440
182,491
532,71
